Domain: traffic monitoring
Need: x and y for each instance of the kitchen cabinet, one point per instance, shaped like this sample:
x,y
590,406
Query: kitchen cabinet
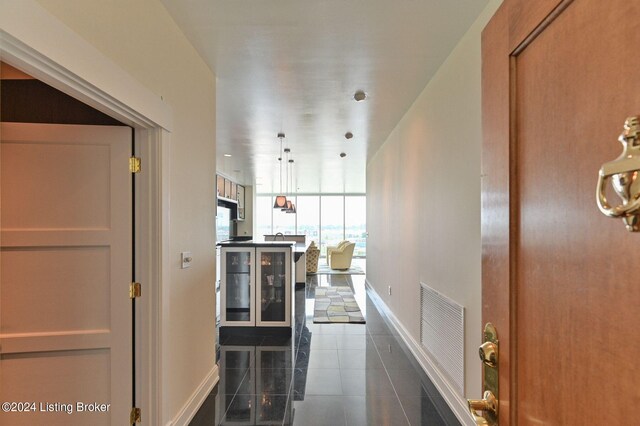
x,y
240,195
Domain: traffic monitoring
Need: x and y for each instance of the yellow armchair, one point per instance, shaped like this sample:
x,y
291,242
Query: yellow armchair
x,y
331,249
341,257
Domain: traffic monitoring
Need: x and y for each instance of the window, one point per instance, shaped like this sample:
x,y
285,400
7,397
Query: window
x,y
355,223
309,217
332,225
262,213
325,219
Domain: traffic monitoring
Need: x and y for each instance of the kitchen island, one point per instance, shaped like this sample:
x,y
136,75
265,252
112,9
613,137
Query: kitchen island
x,y
256,287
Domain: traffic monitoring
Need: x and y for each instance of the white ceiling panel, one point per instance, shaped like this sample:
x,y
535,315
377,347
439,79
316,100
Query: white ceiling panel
x,y
293,67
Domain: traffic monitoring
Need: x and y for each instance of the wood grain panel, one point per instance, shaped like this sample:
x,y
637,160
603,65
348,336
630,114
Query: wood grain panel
x,y
572,302
525,16
577,284
495,223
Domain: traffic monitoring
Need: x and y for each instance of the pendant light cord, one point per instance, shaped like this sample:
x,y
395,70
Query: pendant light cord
x,y
280,160
287,189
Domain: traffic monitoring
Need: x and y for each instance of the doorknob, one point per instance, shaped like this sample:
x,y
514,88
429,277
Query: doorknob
x,y
624,172
489,354
488,405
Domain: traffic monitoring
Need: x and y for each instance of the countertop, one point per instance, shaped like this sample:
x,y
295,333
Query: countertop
x,y
298,247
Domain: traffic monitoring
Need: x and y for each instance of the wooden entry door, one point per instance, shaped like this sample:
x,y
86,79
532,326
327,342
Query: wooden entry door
x,y
560,280
66,265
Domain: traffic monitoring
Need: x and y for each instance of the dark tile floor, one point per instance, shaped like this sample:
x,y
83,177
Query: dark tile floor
x,y
332,374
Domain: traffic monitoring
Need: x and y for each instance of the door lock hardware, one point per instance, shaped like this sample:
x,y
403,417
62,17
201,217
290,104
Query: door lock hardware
x,y
624,173
485,411
489,354
488,405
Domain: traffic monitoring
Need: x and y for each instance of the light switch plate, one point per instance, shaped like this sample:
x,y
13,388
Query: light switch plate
x,y
186,258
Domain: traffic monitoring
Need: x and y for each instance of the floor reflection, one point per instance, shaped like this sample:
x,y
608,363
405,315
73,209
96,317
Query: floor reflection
x,y
255,383
324,374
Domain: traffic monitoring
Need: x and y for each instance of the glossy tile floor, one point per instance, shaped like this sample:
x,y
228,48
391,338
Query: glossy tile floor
x,y
332,374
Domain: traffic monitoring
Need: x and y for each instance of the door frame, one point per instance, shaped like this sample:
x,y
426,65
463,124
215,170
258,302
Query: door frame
x,y
100,83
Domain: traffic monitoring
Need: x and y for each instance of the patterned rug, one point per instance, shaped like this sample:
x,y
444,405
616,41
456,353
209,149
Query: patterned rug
x,y
336,305
323,269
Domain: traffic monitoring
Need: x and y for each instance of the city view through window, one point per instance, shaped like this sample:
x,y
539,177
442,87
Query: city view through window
x,y
325,219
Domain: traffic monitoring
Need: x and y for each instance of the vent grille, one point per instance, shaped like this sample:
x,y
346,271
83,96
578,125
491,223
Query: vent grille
x,y
442,333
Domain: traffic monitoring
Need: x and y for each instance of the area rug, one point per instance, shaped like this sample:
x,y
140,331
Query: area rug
x,y
336,305
325,270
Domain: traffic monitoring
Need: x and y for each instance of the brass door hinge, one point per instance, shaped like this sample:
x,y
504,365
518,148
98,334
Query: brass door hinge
x,y
135,416
134,164
135,290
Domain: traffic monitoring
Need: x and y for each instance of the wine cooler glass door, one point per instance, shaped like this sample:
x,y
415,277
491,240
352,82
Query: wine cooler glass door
x,y
236,297
273,297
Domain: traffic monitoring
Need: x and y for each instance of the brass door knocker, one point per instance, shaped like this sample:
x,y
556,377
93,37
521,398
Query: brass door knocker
x,y
624,172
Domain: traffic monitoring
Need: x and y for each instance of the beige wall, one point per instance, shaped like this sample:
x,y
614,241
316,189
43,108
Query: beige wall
x,y
142,39
423,199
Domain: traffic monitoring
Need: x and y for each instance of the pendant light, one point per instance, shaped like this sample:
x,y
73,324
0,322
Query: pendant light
x,y
292,208
281,200
288,205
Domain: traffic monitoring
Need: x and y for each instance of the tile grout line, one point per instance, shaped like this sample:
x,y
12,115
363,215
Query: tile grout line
x,y
290,397
415,365
234,396
389,377
290,394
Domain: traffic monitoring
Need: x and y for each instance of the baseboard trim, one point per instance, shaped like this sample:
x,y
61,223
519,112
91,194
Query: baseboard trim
x,y
193,404
457,404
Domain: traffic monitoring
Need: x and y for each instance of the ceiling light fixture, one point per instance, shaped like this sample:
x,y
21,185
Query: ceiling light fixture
x,y
281,200
291,207
348,135
342,155
227,155
359,96
287,205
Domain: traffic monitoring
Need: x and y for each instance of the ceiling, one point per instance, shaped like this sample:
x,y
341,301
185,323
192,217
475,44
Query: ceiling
x,y
294,66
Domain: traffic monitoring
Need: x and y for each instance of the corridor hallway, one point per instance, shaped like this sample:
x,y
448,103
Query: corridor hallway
x,y
335,374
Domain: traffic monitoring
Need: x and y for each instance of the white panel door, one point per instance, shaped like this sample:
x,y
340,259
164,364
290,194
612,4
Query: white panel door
x,y
66,259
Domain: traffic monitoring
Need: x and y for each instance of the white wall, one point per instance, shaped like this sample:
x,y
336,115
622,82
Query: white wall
x,y
142,39
423,199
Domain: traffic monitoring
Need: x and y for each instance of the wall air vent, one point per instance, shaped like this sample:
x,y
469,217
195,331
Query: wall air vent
x,y
442,334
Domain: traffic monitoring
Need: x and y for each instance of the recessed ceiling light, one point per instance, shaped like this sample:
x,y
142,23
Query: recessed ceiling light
x,y
359,96
227,155
342,154
348,135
